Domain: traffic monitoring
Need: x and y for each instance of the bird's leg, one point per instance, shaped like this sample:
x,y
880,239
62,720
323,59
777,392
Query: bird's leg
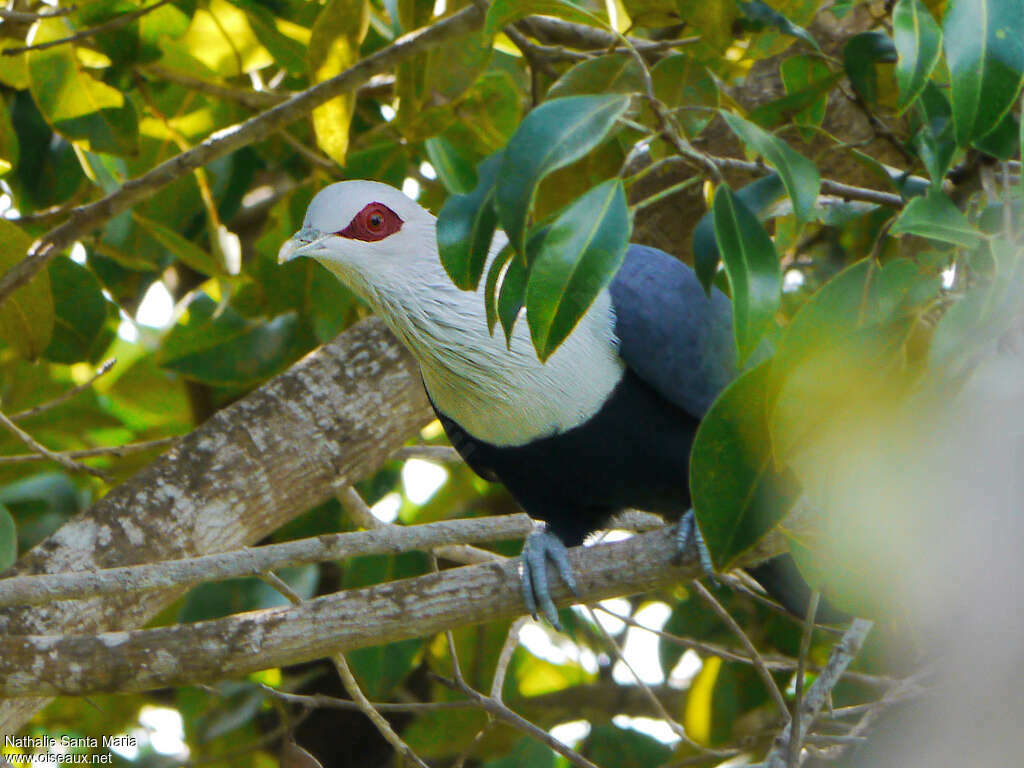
x,y
688,536
540,546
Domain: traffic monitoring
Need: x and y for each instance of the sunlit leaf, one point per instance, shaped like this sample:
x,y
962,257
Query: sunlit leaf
x,y
551,136
502,12
918,42
580,254
27,317
985,54
753,269
334,47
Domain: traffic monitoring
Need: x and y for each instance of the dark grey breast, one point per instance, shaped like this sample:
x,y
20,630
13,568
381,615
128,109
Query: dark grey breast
x,y
671,334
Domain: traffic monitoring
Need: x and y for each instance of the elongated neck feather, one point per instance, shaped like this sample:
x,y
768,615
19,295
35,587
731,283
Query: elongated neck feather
x,y
501,395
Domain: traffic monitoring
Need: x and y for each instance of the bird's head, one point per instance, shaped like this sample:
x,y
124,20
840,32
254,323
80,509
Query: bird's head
x,y
367,233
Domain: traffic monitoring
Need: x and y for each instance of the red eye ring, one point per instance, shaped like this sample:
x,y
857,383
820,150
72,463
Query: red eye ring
x,y
374,222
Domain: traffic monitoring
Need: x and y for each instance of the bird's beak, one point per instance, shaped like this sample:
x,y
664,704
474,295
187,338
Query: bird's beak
x,y
305,242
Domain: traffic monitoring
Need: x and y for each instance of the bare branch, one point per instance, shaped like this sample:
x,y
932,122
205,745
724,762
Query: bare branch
x,y
117,451
69,464
116,23
24,17
843,654
65,396
36,589
87,217
33,665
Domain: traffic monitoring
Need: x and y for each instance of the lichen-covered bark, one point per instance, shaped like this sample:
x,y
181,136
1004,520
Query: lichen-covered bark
x,y
333,417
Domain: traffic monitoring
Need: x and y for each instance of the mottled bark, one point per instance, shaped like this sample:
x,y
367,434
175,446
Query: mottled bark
x,y
333,417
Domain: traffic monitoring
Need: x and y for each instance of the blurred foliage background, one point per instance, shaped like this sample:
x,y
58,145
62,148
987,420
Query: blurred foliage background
x,y
847,173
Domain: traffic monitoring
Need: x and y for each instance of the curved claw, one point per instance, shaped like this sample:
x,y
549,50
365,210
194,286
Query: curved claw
x,y
541,546
688,536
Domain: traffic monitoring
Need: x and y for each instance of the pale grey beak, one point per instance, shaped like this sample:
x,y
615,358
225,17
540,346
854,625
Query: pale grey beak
x,y
305,242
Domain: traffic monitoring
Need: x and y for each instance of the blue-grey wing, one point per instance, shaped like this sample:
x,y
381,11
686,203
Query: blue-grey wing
x,y
670,333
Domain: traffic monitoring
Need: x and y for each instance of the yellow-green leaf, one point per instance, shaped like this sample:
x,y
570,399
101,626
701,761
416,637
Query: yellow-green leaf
x,y
333,48
26,318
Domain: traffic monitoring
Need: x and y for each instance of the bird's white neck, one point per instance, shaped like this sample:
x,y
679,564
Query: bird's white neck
x,y
501,395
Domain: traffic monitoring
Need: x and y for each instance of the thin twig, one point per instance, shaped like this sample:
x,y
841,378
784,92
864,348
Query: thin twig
x,y
759,665
322,701
427,452
25,17
505,657
64,396
255,561
501,712
842,655
677,729
69,464
116,23
117,451
805,647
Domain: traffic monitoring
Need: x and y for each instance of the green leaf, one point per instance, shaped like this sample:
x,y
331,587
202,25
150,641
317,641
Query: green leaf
x,y
799,175
934,141
182,249
760,15
9,147
494,274
553,135
624,748
860,54
334,47
582,251
8,539
681,83
81,312
612,73
77,105
465,227
512,293
798,100
288,52
934,216
984,44
27,316
918,42
452,164
526,751
753,269
844,352
504,12
1002,141
737,495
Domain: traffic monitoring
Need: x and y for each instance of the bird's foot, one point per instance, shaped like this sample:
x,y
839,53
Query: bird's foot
x,y
689,538
541,546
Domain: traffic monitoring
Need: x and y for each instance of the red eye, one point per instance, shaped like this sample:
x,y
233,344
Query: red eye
x,y
375,222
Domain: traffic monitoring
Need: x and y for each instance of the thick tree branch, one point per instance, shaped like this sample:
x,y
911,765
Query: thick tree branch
x,y
333,417
237,645
87,217
33,590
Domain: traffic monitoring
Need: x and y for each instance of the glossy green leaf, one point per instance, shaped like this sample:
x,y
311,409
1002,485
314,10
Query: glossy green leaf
x,y
76,104
9,146
918,40
8,539
512,293
934,216
612,73
1001,142
80,312
933,140
753,269
494,275
759,15
681,83
465,227
758,196
799,100
713,21
844,350
27,316
798,174
984,45
860,54
182,249
583,249
737,494
288,52
334,47
553,135
502,12
452,164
